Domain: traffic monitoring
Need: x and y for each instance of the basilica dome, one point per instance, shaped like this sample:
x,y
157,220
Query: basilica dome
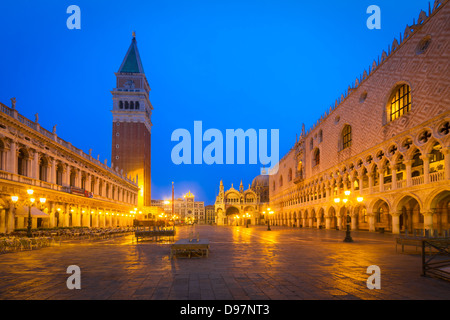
x,y
260,181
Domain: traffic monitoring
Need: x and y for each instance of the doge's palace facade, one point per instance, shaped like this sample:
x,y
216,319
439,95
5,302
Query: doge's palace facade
x,y
385,140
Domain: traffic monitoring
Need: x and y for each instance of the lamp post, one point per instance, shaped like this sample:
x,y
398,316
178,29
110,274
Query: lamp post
x,y
270,212
246,220
30,192
345,200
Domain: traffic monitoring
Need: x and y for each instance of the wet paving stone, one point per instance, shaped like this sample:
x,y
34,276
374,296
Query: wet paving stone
x,y
243,264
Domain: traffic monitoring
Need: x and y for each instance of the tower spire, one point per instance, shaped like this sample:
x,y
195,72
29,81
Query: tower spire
x,y
132,62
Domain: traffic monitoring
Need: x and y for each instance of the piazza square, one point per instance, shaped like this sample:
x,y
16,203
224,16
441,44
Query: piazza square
x,y
107,194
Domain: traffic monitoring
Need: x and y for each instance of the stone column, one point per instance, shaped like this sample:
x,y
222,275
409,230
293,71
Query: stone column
x,y
65,175
52,174
370,174
394,177
327,222
361,180
381,179
408,164
354,218
12,158
2,220
426,168
338,220
352,184
428,221
396,222
66,215
10,218
51,213
78,178
34,165
371,216
446,153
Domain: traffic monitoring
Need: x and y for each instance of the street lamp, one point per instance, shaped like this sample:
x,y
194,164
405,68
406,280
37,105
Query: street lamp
x,y
268,219
30,192
345,200
246,220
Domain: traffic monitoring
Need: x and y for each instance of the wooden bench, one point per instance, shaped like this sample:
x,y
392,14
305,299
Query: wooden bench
x,y
190,248
154,234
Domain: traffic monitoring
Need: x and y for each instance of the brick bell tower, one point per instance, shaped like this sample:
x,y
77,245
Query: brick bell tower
x,y
131,132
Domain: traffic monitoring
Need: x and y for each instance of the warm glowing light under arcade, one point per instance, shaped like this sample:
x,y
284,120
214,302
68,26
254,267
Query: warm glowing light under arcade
x,y
30,191
345,200
14,198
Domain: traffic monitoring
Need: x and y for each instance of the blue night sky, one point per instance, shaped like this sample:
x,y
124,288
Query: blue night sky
x,y
272,64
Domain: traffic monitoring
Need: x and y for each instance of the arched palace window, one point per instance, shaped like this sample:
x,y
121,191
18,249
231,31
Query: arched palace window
x,y
316,157
346,137
400,102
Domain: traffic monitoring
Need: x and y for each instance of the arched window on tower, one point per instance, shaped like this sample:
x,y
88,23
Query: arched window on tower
x,y
136,106
400,102
131,105
120,104
127,106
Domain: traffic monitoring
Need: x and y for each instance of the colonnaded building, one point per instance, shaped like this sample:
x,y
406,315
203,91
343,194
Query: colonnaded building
x,y
386,140
70,187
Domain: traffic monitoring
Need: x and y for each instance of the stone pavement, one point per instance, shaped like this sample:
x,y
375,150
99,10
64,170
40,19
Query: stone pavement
x,y
244,263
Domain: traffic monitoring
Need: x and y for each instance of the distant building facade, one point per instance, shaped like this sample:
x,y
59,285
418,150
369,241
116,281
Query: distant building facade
x,y
210,214
386,140
186,208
